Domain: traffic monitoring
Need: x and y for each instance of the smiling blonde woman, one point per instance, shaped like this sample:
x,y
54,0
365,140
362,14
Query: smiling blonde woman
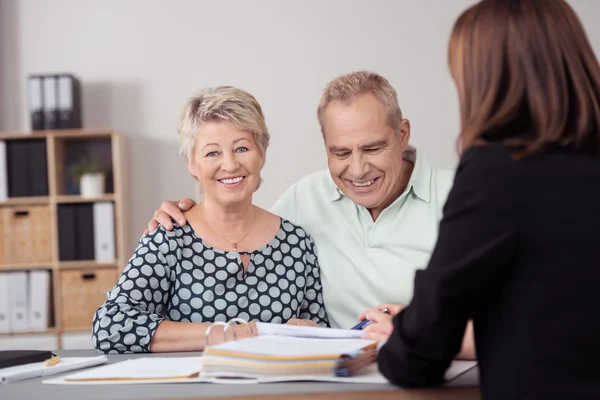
x,y
231,260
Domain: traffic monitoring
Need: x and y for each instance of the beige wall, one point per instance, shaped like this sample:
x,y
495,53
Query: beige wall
x,y
140,59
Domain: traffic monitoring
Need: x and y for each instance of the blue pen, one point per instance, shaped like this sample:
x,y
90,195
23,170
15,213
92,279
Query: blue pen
x,y
362,324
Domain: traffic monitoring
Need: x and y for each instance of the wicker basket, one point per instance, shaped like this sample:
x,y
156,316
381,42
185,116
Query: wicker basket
x,y
83,291
25,233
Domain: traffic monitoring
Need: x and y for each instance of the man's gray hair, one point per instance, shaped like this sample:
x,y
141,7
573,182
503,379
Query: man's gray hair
x,y
350,86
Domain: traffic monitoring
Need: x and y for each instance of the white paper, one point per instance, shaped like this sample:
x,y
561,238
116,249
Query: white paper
x,y
368,374
143,368
286,346
306,331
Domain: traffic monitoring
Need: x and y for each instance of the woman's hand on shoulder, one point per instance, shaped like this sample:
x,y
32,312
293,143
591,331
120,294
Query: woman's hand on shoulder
x,y
167,211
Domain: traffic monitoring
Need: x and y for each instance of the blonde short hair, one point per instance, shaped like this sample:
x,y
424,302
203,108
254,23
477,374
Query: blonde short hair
x,y
222,103
355,84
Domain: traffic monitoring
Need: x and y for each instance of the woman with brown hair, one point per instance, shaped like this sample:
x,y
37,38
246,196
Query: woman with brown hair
x,y
518,245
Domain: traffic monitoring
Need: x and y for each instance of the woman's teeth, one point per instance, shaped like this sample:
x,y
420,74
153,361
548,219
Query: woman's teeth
x,y
232,180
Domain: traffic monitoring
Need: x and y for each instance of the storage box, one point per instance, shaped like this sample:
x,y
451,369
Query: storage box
x,y
25,232
83,291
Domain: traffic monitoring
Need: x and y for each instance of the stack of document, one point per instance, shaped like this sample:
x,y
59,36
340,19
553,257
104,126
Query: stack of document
x,y
268,355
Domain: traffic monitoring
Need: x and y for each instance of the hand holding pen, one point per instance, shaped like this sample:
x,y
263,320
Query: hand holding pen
x,y
376,323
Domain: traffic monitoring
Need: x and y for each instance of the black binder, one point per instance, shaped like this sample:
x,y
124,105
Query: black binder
x,y
12,358
17,156
84,221
38,168
66,232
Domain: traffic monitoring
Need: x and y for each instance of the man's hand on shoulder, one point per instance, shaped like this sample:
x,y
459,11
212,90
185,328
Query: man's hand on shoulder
x,y
167,211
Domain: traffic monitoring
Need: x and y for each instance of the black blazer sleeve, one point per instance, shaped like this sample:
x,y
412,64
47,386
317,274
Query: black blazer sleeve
x,y
476,240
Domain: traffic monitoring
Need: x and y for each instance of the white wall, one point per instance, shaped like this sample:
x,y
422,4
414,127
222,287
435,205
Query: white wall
x,y
140,59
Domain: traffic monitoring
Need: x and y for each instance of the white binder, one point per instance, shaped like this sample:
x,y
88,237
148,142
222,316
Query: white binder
x,y
39,300
4,306
104,231
65,93
17,293
49,104
3,172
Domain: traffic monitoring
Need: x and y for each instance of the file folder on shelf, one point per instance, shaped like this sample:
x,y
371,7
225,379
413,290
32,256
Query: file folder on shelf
x,y
3,172
104,231
34,91
39,300
49,102
4,304
17,293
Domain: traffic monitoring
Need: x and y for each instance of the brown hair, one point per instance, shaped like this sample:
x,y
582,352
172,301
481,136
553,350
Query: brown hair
x,y
525,68
350,86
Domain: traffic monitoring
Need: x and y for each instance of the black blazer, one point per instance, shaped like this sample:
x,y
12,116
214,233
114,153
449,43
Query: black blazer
x,y
519,252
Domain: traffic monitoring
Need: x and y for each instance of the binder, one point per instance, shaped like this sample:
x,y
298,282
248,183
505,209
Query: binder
x,y
66,232
17,155
276,351
3,172
4,304
69,104
39,300
76,232
38,168
104,231
17,292
34,89
49,103
84,232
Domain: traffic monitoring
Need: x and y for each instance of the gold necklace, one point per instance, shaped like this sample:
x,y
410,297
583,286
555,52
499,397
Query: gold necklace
x,y
234,244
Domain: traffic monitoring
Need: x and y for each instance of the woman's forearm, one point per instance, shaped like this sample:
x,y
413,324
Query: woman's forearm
x,y
190,336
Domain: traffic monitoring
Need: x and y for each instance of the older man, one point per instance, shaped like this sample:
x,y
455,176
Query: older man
x,y
374,214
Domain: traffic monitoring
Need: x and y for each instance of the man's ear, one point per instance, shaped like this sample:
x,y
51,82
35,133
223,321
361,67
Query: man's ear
x,y
405,130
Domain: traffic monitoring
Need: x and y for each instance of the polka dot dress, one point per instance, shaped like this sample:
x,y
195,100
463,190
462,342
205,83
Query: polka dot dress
x,y
176,276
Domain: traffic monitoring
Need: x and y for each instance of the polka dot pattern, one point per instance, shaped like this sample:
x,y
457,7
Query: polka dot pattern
x,y
176,276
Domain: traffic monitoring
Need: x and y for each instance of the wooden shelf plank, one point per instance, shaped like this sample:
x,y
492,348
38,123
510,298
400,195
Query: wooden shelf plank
x,y
49,331
82,134
63,134
23,135
85,264
87,329
20,267
70,198
30,200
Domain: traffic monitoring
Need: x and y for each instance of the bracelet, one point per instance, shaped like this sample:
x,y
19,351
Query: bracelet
x,y
207,331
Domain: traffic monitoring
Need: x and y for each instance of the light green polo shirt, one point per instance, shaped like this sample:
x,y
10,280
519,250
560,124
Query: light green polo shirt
x,y
366,263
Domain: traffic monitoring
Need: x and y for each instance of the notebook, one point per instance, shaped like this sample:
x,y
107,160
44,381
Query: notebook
x,y
37,369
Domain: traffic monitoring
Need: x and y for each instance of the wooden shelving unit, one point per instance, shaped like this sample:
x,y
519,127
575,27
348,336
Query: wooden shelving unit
x,y
96,277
